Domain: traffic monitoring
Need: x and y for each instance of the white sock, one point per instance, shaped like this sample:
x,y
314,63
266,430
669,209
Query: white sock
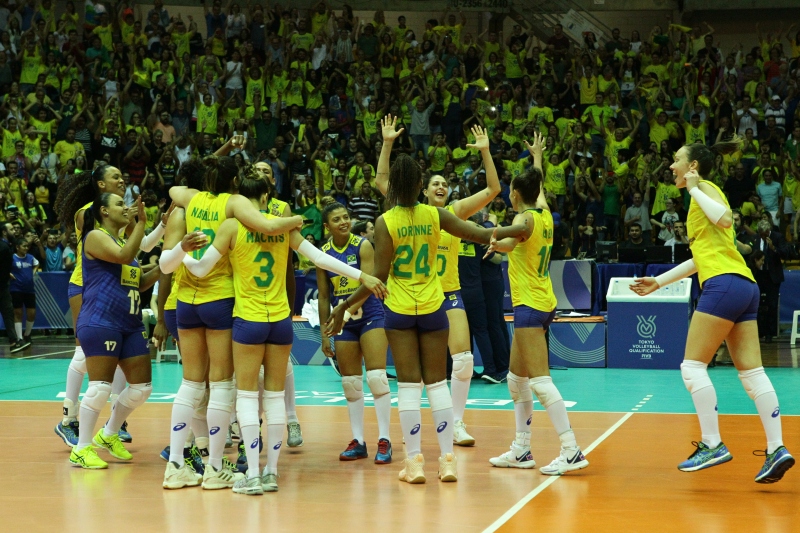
x,y
247,414
520,390
460,388
220,404
200,424
383,410
129,399
275,414
545,390
523,412
704,397
274,444
28,327
759,387
288,400
18,329
442,411
183,407
355,407
409,399
75,374
88,421
118,385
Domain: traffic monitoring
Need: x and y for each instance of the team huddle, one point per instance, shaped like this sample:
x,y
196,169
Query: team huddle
x,y
226,287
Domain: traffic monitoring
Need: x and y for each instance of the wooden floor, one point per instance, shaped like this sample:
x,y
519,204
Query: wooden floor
x,y
631,485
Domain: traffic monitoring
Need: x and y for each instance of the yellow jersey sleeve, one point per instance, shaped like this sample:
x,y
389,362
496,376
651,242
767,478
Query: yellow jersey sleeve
x,y
447,259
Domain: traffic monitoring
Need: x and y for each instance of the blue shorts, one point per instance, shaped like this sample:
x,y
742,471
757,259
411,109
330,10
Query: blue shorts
x,y
216,315
73,290
453,300
246,332
731,297
528,317
435,321
113,342
352,332
171,319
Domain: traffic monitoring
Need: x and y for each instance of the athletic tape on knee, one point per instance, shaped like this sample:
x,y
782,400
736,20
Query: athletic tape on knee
x,y
289,368
462,366
545,391
519,388
353,387
190,393
222,396
439,396
378,382
96,395
756,382
274,409
695,376
78,363
247,408
135,395
409,396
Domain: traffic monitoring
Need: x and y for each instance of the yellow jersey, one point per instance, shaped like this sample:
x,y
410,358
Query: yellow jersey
x,y
713,248
529,266
206,212
259,275
414,287
447,259
76,277
276,207
172,300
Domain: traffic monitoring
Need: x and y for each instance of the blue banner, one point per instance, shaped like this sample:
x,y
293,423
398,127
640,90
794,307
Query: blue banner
x,y
52,304
647,334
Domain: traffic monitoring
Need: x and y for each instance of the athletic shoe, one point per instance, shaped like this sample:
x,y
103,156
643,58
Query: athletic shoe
x,y
477,375
68,432
229,465
705,457
516,457
568,460
775,465
384,455
460,435
124,436
165,454
18,346
335,366
113,445
391,377
413,470
223,478
269,482
235,433
448,468
193,457
497,379
87,458
27,340
354,451
177,477
249,485
295,435
241,460
203,453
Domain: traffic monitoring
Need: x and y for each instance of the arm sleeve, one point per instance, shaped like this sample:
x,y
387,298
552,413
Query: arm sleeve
x,y
684,270
713,209
323,260
149,241
171,259
202,267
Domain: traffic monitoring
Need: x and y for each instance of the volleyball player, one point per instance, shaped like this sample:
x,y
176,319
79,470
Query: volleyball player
x,y
205,319
534,310
363,337
436,192
110,325
262,326
416,323
727,310
75,195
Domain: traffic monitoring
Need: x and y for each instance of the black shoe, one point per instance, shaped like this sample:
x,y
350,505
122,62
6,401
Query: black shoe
x,y
497,379
17,347
27,340
477,375
391,377
335,366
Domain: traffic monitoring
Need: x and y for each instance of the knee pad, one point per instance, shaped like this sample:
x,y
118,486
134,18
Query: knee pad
x,y
545,391
409,396
96,395
353,387
190,393
135,394
78,363
247,408
274,410
439,396
222,396
378,382
519,388
695,376
289,368
462,366
756,382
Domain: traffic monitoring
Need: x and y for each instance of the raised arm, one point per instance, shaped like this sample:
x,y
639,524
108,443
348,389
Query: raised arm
x,y
470,205
388,124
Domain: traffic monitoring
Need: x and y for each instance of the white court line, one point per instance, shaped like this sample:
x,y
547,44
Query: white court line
x,y
41,355
535,492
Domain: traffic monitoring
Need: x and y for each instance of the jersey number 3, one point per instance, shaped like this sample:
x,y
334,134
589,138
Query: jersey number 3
x,y
265,280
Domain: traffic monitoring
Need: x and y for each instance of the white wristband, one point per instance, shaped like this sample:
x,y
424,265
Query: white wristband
x,y
684,270
713,209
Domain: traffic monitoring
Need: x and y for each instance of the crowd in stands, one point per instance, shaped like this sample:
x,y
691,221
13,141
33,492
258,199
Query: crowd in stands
x,y
147,91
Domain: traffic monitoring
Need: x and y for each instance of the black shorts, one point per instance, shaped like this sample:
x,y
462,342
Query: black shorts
x,y
23,299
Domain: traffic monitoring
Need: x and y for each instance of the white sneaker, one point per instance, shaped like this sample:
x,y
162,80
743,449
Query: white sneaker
x,y
516,457
214,479
249,485
413,470
176,477
568,460
269,482
460,435
448,468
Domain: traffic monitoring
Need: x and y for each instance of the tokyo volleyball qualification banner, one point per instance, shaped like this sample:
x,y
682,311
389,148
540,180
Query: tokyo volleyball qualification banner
x,y
647,335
